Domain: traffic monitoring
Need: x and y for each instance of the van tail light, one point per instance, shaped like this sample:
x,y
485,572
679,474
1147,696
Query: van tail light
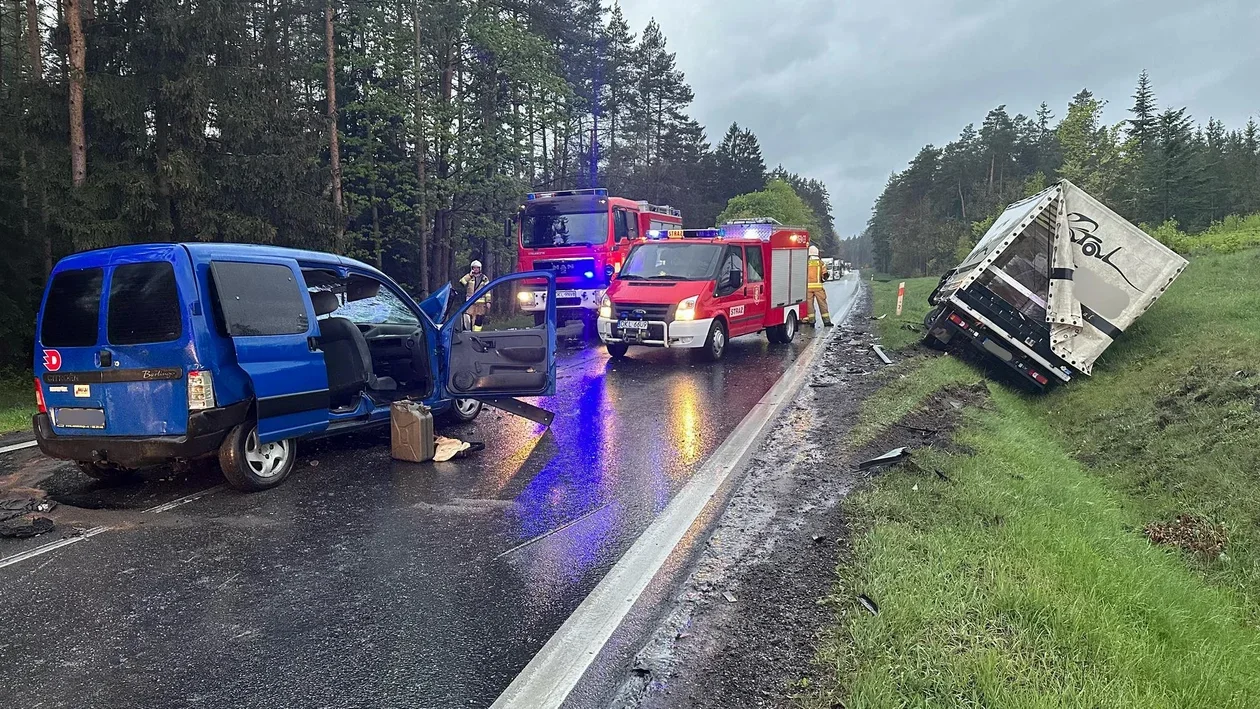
x,y
39,397
1041,378
953,317
200,391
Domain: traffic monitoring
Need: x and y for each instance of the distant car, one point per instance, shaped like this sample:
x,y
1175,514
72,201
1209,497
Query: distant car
x,y
167,352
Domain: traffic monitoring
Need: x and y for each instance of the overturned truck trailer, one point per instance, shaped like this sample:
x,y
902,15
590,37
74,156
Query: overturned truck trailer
x,y
1050,286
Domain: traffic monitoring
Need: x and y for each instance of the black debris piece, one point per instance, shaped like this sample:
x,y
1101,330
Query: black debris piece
x,y
26,527
895,455
868,604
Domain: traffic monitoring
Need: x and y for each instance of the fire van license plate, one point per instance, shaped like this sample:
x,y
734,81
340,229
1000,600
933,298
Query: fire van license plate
x,y
640,325
79,418
566,294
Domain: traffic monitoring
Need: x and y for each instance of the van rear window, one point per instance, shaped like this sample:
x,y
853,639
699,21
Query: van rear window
x,y
144,304
260,299
72,310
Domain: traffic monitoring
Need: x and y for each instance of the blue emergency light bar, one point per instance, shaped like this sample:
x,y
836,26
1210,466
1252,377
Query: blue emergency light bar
x,y
597,192
685,233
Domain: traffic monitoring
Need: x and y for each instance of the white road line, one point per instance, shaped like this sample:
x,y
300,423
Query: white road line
x,y
18,446
183,500
553,673
50,546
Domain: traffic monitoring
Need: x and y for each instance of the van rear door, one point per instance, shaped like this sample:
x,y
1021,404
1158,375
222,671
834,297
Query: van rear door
x,y
267,311
113,344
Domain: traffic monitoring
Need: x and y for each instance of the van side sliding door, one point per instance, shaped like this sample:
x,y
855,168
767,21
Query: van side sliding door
x,y
268,314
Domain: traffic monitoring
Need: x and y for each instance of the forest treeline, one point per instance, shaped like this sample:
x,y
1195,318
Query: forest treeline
x,y
401,132
1156,168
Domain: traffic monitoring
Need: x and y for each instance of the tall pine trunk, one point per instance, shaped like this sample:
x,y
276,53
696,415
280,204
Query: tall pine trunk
x,y
78,59
334,144
422,149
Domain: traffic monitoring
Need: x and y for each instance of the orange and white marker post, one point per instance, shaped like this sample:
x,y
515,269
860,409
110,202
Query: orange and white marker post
x,y
901,296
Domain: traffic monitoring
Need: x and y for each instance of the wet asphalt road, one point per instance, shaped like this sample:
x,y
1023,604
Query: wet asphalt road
x,y
364,581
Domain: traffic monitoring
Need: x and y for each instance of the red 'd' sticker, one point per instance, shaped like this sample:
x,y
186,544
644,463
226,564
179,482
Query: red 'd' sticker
x,y
52,360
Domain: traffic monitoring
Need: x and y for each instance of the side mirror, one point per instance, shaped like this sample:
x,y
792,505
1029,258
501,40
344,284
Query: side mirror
x,y
507,230
736,280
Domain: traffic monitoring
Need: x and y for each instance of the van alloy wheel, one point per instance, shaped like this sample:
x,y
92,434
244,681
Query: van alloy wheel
x,y
268,459
249,465
789,328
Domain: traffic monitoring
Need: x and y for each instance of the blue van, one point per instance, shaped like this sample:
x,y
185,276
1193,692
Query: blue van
x,y
158,353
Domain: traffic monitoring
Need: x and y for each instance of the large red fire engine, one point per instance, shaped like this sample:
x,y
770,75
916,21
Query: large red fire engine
x,y
583,236
699,288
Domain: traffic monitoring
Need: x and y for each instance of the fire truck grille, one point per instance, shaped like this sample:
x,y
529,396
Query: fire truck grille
x,y
637,311
575,267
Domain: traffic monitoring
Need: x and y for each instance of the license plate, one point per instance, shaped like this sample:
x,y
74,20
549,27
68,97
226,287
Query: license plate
x,y
79,418
633,325
566,294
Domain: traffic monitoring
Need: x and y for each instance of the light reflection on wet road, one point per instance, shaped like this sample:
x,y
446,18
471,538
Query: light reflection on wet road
x,y
369,582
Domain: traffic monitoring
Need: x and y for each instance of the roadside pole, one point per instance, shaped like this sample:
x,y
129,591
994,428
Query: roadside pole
x,y
901,296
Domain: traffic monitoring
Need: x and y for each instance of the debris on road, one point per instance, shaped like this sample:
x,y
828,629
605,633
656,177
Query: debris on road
x,y
448,448
880,351
26,527
895,455
730,597
411,437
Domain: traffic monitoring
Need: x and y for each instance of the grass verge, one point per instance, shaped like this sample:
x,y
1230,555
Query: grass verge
x,y
17,401
1027,579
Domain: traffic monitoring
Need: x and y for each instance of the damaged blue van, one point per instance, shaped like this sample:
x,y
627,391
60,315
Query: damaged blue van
x,y
202,352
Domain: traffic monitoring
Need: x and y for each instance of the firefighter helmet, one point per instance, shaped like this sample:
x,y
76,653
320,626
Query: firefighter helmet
x,y
813,251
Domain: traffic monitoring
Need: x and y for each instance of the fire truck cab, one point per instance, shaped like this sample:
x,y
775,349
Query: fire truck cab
x,y
700,288
582,236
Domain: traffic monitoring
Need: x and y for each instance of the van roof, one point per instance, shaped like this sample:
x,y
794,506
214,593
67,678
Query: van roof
x,y
205,251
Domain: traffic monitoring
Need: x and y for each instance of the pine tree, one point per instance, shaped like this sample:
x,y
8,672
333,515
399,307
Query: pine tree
x,y
1144,124
741,168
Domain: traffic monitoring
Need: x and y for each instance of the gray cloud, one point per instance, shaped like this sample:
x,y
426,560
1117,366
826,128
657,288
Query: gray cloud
x,y
848,91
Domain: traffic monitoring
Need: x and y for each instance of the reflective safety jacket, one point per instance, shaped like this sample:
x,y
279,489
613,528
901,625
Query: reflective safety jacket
x,y
816,271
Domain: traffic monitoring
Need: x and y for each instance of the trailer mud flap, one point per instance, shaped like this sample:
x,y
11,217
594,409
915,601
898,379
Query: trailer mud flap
x,y
523,409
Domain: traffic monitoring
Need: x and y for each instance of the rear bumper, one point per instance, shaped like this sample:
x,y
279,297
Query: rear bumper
x,y
680,333
206,430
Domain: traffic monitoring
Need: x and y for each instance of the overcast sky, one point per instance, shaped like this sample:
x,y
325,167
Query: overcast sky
x,y
848,91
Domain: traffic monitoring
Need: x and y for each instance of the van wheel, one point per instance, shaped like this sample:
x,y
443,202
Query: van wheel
x,y
251,466
715,345
617,350
464,410
104,473
785,333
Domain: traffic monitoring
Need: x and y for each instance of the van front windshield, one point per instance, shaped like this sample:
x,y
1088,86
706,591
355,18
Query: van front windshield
x,y
672,262
543,229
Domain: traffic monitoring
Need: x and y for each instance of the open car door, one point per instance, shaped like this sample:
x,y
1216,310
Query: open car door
x,y
268,315
498,363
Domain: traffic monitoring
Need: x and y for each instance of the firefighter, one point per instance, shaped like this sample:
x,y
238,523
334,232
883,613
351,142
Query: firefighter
x,y
816,292
473,282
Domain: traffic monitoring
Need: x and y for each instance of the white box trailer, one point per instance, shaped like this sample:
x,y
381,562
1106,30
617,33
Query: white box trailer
x,y
1055,280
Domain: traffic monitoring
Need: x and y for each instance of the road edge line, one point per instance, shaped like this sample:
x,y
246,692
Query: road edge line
x,y
18,447
50,546
558,667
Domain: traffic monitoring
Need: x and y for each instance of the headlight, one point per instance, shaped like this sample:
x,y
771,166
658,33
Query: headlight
x,y
605,308
687,309
609,271
525,297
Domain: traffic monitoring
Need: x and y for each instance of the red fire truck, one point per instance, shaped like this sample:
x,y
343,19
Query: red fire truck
x,y
583,236
699,288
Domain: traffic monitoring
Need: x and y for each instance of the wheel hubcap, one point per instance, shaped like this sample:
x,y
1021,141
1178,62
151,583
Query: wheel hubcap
x,y
791,326
467,407
719,341
266,460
